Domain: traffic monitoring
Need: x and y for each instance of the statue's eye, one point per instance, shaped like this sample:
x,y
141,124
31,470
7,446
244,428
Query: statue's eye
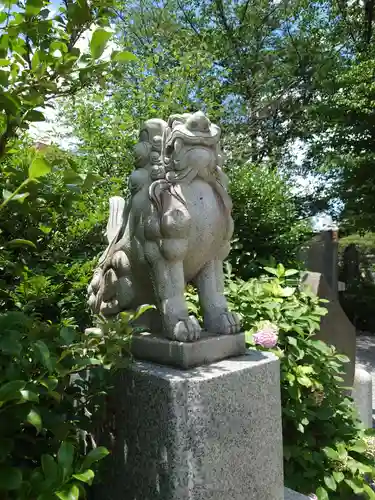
x,y
193,124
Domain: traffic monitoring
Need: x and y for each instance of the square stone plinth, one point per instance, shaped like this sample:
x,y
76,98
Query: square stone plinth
x,y
293,495
209,433
208,349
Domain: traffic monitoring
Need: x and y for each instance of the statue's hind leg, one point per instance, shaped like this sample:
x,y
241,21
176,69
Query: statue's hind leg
x,y
210,283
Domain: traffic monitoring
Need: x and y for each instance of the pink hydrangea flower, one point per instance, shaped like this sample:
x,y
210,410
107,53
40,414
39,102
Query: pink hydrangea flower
x,y
267,336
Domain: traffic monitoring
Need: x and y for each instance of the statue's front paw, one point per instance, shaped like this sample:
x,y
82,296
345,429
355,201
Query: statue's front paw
x,y
187,330
229,323
225,323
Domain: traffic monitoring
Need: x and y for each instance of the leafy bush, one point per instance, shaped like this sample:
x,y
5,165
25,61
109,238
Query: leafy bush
x,y
266,220
50,241
52,377
46,406
324,443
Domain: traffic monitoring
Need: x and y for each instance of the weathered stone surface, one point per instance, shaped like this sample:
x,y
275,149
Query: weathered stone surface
x,y
207,350
293,495
175,228
335,328
362,395
209,433
320,255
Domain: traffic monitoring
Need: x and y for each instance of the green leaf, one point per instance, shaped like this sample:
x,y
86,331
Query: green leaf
x,y
142,309
65,455
34,419
280,270
34,116
322,494
35,61
49,467
288,291
305,381
356,485
19,243
86,477
94,456
359,446
10,478
4,62
270,270
338,476
20,197
342,358
38,168
29,395
124,56
33,7
9,103
291,272
10,346
4,81
331,453
45,229
49,383
6,194
99,41
370,492
11,390
330,483
44,354
70,492
292,341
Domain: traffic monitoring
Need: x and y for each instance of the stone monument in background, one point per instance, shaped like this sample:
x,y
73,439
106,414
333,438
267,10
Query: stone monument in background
x,y
209,426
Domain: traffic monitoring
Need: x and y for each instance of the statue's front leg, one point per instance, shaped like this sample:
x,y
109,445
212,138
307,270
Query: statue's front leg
x,y
216,316
169,285
166,244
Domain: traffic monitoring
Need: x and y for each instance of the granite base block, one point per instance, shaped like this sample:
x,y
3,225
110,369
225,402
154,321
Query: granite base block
x,y
293,495
209,433
209,349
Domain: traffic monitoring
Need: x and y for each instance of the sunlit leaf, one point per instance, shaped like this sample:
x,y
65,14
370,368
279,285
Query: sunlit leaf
x,y
94,456
124,56
99,41
38,168
87,476
70,492
34,419
18,242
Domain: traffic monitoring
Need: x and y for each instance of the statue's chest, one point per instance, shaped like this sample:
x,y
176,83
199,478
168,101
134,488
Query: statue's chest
x,y
209,221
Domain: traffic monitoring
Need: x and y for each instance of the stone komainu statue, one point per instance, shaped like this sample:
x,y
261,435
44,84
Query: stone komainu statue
x,y
175,228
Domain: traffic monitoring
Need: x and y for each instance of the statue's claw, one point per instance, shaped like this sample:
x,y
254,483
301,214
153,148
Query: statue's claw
x,y
229,323
225,323
187,330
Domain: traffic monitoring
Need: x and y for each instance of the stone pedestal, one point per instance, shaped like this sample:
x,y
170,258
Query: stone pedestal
x,y
208,433
208,349
293,495
362,395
